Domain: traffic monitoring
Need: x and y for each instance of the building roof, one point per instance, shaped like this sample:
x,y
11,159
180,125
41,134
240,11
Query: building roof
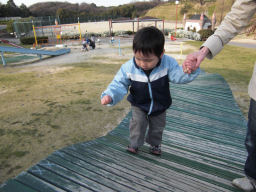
x,y
203,150
197,17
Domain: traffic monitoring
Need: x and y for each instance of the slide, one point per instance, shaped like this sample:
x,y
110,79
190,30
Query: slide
x,y
10,43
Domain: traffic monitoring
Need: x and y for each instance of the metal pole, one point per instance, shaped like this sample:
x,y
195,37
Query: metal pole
x,y
119,48
176,2
34,32
79,29
163,26
3,60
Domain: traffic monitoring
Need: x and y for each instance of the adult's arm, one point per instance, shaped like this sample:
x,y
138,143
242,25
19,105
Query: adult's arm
x,y
234,22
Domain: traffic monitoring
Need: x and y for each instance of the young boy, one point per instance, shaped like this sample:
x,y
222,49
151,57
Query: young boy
x,y
147,77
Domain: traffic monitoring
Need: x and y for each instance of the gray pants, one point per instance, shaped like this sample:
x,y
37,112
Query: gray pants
x,y
138,127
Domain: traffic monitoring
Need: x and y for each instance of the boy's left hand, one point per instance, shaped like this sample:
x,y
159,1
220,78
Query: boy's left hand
x,y
106,100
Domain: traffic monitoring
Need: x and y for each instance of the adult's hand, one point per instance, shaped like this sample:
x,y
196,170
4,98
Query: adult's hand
x,y
193,60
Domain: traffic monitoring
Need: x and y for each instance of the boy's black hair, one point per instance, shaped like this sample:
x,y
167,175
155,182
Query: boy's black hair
x,y
149,40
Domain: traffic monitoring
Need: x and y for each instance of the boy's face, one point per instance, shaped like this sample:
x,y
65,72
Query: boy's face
x,y
146,62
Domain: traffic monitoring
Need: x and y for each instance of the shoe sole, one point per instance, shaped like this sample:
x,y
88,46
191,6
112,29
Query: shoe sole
x,y
133,151
156,153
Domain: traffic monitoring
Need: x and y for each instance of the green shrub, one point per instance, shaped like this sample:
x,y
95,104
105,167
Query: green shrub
x,y
185,8
9,27
65,37
4,22
31,40
205,33
167,31
128,32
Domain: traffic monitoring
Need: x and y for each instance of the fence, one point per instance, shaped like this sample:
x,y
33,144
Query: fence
x,y
9,18
24,28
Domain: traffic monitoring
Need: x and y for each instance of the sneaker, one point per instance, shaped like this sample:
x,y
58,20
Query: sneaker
x,y
155,150
247,184
132,150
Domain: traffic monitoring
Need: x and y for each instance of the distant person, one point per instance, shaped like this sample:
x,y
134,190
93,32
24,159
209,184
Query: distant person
x,y
84,44
112,40
91,43
147,76
236,20
93,38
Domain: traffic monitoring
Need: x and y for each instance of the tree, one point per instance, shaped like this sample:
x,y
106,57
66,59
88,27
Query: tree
x,y
64,13
24,11
185,9
222,8
9,26
201,2
12,9
10,3
2,10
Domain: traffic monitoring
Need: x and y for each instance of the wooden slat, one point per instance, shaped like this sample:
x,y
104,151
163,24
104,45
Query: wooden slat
x,y
36,183
14,186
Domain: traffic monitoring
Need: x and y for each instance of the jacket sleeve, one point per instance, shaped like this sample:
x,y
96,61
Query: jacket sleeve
x,y
176,74
118,88
234,22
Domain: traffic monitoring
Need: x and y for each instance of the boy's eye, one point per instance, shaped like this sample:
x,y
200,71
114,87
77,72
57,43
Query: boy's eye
x,y
144,60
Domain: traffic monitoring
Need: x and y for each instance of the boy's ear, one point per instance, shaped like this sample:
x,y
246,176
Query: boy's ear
x,y
162,54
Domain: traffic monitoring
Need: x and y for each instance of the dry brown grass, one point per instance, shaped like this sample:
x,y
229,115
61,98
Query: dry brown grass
x,y
44,109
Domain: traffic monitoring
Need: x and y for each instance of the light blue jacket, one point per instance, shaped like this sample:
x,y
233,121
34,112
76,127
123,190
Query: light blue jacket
x,y
149,93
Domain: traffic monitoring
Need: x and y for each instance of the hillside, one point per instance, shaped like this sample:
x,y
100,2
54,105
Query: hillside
x,y
50,8
167,11
69,10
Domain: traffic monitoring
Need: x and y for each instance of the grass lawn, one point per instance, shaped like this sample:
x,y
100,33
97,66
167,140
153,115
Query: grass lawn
x,y
235,64
44,109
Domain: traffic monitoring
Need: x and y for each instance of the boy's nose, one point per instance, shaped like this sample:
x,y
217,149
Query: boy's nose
x,y
143,65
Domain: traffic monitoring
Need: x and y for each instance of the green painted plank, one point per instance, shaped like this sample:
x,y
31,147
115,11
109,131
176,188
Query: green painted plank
x,y
90,171
141,185
153,160
14,186
61,181
217,148
77,178
36,183
182,160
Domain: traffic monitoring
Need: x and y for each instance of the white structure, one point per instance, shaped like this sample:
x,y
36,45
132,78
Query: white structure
x,y
197,22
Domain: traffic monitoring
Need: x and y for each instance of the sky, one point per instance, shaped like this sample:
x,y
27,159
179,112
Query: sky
x,y
105,3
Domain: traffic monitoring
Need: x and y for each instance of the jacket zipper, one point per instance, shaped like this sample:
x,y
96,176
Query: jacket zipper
x,y
151,97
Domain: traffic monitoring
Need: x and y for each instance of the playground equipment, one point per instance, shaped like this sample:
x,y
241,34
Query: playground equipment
x,y
31,51
57,31
138,21
10,43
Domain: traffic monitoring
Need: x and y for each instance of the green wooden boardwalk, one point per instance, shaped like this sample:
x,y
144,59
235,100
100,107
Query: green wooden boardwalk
x,y
203,150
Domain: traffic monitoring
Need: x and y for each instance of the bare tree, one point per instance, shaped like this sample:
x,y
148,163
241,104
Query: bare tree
x,y
252,28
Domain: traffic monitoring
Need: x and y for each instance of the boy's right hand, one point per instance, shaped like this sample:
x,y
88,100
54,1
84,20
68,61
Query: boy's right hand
x,y
106,100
